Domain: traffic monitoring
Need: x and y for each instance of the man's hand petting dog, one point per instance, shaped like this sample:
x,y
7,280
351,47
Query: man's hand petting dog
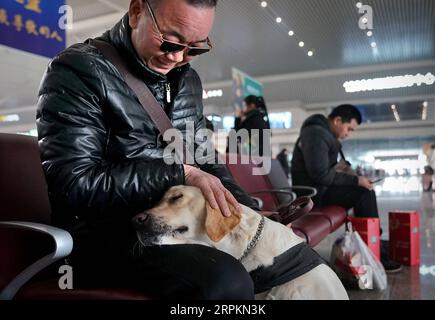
x,y
212,188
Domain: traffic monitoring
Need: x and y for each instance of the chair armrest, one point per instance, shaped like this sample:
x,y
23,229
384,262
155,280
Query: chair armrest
x,y
259,202
63,247
313,191
278,191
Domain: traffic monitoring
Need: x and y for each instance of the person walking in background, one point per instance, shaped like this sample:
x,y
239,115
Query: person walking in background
x,y
428,179
252,117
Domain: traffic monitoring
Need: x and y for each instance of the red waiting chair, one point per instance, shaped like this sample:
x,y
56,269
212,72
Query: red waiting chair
x,y
259,186
28,244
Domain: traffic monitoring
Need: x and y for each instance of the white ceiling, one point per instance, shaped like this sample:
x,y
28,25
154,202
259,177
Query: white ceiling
x,y
20,75
246,36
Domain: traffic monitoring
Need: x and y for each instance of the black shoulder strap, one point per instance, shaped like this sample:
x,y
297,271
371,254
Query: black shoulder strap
x,y
146,98
343,157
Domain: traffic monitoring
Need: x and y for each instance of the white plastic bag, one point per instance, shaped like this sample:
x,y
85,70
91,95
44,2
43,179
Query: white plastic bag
x,y
355,264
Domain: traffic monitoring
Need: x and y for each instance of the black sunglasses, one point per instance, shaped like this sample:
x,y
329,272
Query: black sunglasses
x,y
168,46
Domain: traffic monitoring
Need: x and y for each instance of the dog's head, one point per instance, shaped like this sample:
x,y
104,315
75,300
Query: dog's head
x,y
183,215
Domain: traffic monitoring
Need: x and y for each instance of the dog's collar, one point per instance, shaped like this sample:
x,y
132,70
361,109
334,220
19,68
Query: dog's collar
x,y
254,240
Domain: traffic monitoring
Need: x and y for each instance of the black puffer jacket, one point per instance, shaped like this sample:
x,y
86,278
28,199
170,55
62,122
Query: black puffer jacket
x,y
100,150
315,157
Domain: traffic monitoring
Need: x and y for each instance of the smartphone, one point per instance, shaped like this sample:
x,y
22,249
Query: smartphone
x,y
377,180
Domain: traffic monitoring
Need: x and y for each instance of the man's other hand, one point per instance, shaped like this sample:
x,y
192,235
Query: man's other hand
x,y
364,182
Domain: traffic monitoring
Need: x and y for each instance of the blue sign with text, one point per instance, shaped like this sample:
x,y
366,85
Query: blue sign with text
x,y
35,26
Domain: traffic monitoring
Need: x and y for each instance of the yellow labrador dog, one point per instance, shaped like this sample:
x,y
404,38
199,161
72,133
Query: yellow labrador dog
x,y
183,216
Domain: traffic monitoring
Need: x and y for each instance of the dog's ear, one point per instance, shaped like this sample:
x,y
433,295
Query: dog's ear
x,y
217,225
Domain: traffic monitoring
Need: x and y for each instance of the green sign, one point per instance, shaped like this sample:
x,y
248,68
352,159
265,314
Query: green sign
x,y
243,86
253,87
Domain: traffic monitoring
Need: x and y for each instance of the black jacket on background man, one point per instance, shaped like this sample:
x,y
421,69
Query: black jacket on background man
x,y
100,151
315,157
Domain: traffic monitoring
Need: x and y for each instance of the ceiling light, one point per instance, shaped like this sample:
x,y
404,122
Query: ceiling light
x,y
369,33
301,44
373,44
278,20
291,33
310,53
212,94
9,118
389,82
359,5
264,4
424,111
395,113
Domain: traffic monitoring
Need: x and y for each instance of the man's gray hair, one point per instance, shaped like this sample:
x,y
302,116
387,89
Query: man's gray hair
x,y
193,3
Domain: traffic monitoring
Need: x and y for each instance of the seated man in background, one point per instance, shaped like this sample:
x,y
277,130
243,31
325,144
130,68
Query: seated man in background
x,y
314,163
427,178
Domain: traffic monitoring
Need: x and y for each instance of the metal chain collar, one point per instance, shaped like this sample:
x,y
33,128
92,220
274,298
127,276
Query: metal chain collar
x,y
254,240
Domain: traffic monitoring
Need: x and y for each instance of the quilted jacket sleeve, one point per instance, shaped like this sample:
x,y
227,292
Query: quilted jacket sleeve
x,y
72,140
315,148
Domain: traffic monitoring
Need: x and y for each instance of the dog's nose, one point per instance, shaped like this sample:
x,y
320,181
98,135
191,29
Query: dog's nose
x,y
140,219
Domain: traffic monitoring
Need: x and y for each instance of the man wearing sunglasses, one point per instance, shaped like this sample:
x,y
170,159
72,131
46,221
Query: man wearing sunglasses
x,y
103,158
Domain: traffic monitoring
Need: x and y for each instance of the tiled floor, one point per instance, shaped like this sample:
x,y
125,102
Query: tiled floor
x,y
411,283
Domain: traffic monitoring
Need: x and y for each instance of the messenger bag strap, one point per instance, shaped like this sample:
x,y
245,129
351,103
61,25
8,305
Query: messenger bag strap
x,y
343,157
146,98
143,93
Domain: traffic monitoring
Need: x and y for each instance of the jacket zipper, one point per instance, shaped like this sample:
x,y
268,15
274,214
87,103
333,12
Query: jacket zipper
x,y
168,92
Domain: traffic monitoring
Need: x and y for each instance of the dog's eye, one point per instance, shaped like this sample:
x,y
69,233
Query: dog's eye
x,y
182,229
174,199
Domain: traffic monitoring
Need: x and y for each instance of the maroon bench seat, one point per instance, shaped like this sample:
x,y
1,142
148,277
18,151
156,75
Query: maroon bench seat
x,y
313,227
319,223
335,214
24,200
49,290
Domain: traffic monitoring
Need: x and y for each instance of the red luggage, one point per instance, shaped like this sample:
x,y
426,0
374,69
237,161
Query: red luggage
x,y
369,229
405,237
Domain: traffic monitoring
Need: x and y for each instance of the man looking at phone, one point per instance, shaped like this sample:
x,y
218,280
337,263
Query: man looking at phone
x,y
314,163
